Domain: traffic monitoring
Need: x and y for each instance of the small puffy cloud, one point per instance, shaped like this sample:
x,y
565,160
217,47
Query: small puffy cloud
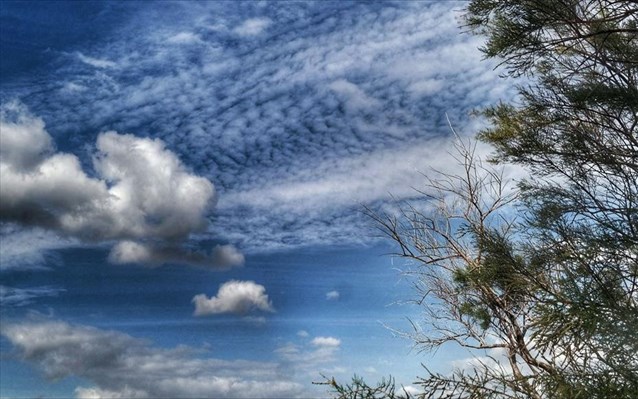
x,y
238,297
302,333
252,26
332,295
326,342
120,366
222,256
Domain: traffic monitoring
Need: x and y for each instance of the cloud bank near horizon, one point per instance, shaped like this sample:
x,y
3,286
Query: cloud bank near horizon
x,y
122,366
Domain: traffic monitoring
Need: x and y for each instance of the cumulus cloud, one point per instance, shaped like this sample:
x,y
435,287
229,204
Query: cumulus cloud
x,y
238,297
25,143
122,366
142,191
252,26
332,295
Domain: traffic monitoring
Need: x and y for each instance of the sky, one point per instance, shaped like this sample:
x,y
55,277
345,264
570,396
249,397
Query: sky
x,y
182,187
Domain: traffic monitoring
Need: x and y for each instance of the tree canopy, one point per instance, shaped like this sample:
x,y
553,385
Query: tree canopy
x,y
547,298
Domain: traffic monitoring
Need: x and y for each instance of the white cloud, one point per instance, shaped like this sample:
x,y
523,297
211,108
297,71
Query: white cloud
x,y
184,38
122,366
312,357
152,193
332,295
222,256
238,297
410,390
28,248
97,393
303,334
252,26
326,342
370,370
142,191
96,62
25,143
353,180
354,97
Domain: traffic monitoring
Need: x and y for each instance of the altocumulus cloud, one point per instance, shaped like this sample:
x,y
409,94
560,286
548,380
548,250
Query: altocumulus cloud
x,y
141,192
238,297
122,366
299,112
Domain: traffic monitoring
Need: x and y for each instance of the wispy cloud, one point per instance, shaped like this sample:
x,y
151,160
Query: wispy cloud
x,y
311,357
11,296
29,249
332,295
96,62
252,26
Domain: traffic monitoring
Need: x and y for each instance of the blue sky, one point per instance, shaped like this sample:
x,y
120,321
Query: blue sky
x,y
183,185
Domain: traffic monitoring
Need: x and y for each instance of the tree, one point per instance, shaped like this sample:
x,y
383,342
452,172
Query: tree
x,y
359,389
548,299
575,130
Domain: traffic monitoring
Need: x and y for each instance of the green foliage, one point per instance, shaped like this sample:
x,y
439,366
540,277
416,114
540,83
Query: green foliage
x,y
575,129
557,289
359,389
